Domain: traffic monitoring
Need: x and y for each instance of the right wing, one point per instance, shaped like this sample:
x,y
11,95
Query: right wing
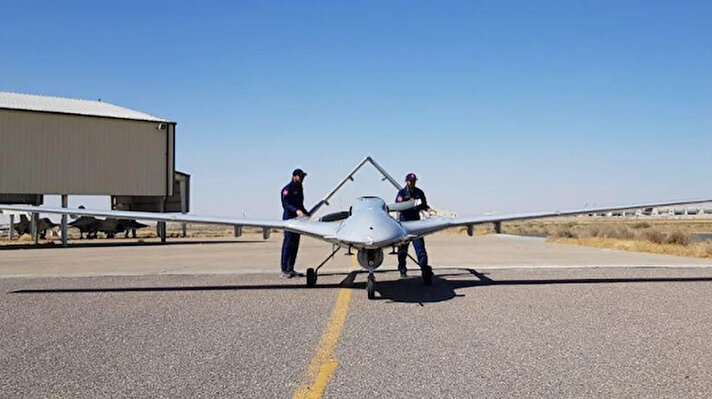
x,y
322,230
431,225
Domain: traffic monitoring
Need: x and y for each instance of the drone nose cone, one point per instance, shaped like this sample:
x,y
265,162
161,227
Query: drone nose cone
x,y
371,233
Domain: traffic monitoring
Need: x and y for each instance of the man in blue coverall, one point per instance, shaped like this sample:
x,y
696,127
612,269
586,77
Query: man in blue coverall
x,y
407,193
293,204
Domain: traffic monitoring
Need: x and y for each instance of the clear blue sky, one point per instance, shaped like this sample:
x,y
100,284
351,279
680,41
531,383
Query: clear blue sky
x,y
497,106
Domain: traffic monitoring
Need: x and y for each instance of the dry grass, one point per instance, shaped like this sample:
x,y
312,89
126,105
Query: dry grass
x,y
698,250
663,236
670,237
549,226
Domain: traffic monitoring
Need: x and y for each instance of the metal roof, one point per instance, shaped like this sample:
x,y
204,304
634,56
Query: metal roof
x,y
30,102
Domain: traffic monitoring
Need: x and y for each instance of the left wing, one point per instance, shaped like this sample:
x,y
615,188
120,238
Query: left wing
x,y
322,230
431,225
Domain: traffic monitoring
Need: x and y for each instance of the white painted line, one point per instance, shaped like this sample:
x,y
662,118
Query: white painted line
x,y
510,267
346,270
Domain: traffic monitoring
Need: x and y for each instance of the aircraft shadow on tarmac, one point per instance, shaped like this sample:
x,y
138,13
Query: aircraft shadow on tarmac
x,y
89,244
409,290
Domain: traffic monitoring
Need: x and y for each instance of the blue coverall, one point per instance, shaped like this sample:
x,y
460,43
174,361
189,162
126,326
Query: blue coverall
x,y
292,200
406,194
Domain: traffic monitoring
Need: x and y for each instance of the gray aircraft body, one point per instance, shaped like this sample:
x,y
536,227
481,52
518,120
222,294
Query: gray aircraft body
x,y
88,225
25,226
128,226
110,226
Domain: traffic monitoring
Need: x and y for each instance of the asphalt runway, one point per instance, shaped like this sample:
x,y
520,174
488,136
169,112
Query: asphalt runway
x,y
506,317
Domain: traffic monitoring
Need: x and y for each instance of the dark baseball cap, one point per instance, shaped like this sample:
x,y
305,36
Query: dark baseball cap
x,y
299,172
410,177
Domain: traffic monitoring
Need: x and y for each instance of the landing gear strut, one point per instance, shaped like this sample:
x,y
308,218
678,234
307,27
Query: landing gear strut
x,y
312,273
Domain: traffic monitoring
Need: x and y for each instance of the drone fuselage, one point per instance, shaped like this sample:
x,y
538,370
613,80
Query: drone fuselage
x,y
370,226
369,229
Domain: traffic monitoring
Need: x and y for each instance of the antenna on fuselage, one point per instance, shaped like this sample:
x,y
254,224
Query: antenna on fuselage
x,y
350,177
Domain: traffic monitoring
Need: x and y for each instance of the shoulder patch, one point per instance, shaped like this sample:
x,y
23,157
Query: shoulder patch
x,y
285,192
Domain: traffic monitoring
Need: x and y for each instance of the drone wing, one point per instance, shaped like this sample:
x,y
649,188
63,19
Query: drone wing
x,y
312,228
434,224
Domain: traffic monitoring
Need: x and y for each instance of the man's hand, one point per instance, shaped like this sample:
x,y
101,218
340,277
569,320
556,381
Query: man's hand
x,y
300,213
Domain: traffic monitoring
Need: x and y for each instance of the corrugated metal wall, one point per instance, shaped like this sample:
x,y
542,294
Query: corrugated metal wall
x,y
43,153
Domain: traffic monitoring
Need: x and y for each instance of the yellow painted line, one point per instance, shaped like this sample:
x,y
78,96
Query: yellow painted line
x,y
323,366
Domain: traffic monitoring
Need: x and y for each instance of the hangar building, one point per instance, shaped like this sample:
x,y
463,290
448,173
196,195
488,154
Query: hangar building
x,y
63,146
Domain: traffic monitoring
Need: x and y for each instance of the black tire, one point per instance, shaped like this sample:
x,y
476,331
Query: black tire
x,y
311,277
371,289
427,275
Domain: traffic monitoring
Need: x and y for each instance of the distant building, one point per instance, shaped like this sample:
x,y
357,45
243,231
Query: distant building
x,y
66,146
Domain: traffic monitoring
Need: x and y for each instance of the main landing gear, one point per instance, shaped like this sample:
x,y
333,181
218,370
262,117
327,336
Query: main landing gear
x,y
370,259
312,273
426,271
311,277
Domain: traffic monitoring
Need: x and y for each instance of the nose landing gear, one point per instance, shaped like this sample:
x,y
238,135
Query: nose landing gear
x,y
371,285
370,259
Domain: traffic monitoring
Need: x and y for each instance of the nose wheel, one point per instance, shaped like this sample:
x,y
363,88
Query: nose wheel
x,y
371,285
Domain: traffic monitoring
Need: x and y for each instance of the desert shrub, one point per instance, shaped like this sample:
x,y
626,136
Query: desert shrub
x,y
641,225
677,238
651,236
624,232
591,231
564,232
606,232
618,232
527,229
